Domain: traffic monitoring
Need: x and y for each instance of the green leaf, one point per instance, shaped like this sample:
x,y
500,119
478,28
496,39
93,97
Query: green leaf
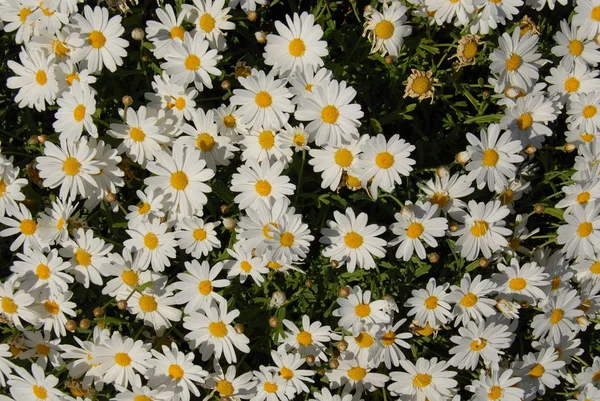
x,y
558,213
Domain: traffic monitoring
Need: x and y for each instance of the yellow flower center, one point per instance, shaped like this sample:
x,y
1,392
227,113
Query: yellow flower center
x,y
23,14
207,23
421,85
40,392
145,208
308,87
352,182
270,387
468,300
304,338
585,229
28,227
274,265
42,349
205,287
79,113
384,160
122,359
151,241
176,32
556,316
96,39
495,393
425,331
286,373
415,230
71,166
224,388
179,180
299,140
72,77
514,62
587,137
470,50
537,371
263,99
357,373
267,230
137,134
59,48
2,187
217,329
431,302
343,157
245,266
517,284
384,29
148,303
42,271
297,47
51,307
83,257
199,234
263,188
572,84
555,283
362,310
422,380
596,13
364,340
589,111
230,121
266,139
192,62
205,142
330,114
176,372
139,398
439,199
287,239
130,277
388,338
575,47
583,198
179,103
595,268
9,306
524,122
490,157
596,376
353,240
478,344
479,228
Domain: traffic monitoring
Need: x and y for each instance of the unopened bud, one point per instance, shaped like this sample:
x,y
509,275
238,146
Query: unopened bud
x,y
85,324
98,312
597,39
33,140
486,94
539,208
442,172
484,262
127,100
334,263
42,138
137,34
229,223
224,209
278,299
101,325
239,328
342,345
582,321
334,364
110,197
310,359
389,59
453,227
308,283
71,325
273,322
226,84
261,37
530,149
321,372
463,157
344,292
122,304
434,258
569,147
252,16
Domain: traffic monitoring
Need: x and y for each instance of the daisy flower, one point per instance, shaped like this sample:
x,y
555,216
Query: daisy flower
x,y
567,81
16,304
583,112
175,100
540,370
364,344
212,331
211,19
247,5
587,18
10,190
245,265
290,238
573,47
75,113
226,384
298,45
447,191
192,61
110,178
415,224
264,101
499,385
182,175
383,162
5,365
334,162
482,229
196,237
154,246
271,387
103,45
580,236
521,282
445,11
357,310
120,360
356,376
429,305
468,49
490,14
259,183
425,379
176,371
527,120
387,30
588,269
53,313
36,79
558,318
70,166
420,85
35,385
287,366
69,72
475,341
580,194
23,224
20,16
309,339
589,374
469,299
229,122
198,285
389,341
516,62
494,158
151,207
42,349
349,240
128,275
153,306
256,226
88,256
295,138
53,224
38,272
266,144
166,31
303,81
333,120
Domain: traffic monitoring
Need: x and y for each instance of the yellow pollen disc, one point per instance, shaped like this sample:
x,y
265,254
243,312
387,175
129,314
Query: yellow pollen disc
x,y
60,224
151,241
40,392
42,349
267,230
490,157
431,302
362,310
364,340
96,39
205,142
83,257
572,84
179,180
353,240
587,137
421,380
142,398
266,139
176,372
144,208
330,114
42,271
514,243
585,229
79,113
384,29
525,121
414,230
205,287
207,23
8,305
192,62
439,199
388,338
2,187
352,182
421,84
514,62
71,166
555,283
425,331
343,157
470,50
71,77
224,388
299,140
297,47
23,14
286,373
596,376
357,373
575,47
130,277
41,78
199,234
176,32
507,197
180,103
478,344
384,160
595,268
479,228
59,48
229,121
137,134
589,111
148,303
308,87
287,239
517,284
556,316
596,13
28,227
495,393
122,359
537,371
583,198
270,387
217,329
246,266
304,338
468,300
263,188
263,99
495,1
51,307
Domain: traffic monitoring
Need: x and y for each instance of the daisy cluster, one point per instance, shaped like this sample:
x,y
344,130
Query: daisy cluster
x,y
274,247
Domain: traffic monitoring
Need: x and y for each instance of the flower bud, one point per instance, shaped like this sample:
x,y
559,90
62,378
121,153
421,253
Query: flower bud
x,y
389,59
530,149
122,304
442,172
225,84
277,299
484,262
261,37
463,157
127,100
539,208
138,34
334,364
85,324
308,283
569,147
42,139
453,227
310,359
434,258
71,325
33,140
239,328
273,322
229,223
98,312
342,345
597,39
344,292
110,197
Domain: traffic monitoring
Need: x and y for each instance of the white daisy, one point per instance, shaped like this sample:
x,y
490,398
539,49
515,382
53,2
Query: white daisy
x,y
38,272
245,265
425,379
527,120
10,190
211,19
522,283
23,224
429,305
388,29
166,32
447,191
357,310
470,302
88,256
485,341
587,17
153,306
309,339
580,235
567,81
35,385
355,375
334,162
558,319
198,286
573,47
499,385
53,225
153,245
